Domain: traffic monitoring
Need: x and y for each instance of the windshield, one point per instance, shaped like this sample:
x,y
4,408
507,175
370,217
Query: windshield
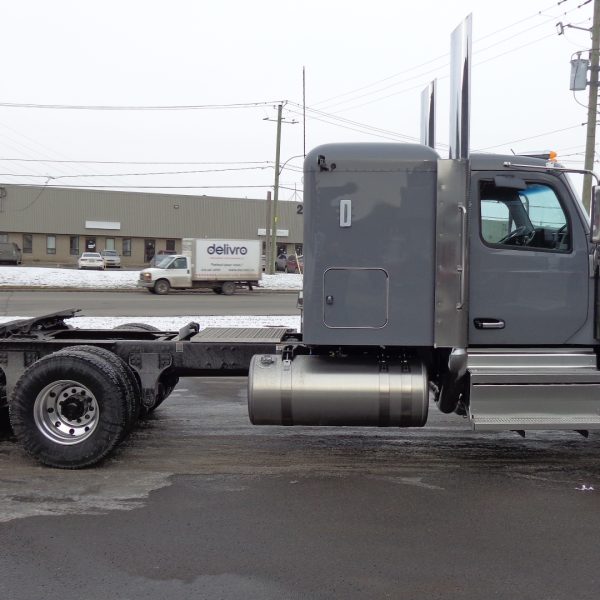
x,y
163,263
110,253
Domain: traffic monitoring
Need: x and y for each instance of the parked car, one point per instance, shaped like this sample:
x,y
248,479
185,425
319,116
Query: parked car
x,y
10,253
111,258
280,262
294,264
91,260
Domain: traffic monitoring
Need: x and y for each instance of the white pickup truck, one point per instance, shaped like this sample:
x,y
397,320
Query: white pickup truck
x,y
221,265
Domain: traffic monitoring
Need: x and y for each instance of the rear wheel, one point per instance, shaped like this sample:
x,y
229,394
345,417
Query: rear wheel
x,y
69,409
228,288
128,380
162,287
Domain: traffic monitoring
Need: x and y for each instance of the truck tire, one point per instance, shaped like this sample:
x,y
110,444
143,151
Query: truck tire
x,y
228,288
128,380
88,428
162,287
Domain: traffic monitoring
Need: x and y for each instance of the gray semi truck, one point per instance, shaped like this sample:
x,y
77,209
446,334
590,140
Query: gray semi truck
x,y
471,280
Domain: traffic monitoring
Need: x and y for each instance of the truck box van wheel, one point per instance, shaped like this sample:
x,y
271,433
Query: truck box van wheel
x,y
228,288
162,287
128,380
69,410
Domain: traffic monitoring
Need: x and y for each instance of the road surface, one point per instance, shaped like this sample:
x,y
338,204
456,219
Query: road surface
x,y
141,303
200,504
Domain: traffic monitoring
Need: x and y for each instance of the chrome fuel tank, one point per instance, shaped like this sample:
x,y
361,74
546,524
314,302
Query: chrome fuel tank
x,y
321,390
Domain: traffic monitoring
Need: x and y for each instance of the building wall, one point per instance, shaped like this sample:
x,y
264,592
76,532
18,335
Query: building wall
x,y
62,212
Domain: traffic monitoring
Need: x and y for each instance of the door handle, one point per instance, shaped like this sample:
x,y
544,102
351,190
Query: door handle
x,y
489,323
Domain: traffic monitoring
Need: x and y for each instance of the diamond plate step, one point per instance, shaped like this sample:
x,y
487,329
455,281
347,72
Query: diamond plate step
x,y
227,335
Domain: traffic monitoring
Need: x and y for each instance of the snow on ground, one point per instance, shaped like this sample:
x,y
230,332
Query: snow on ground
x,y
73,278
176,323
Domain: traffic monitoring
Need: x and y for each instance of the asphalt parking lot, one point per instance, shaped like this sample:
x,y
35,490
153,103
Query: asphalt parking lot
x,y
200,504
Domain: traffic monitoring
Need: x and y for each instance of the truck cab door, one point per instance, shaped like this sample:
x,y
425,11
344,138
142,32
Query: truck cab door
x,y
179,273
529,263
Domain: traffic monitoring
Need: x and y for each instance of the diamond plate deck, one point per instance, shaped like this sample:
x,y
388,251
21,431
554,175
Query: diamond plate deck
x,y
238,335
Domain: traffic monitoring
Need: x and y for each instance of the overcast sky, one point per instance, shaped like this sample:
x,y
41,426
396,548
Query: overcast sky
x,y
366,64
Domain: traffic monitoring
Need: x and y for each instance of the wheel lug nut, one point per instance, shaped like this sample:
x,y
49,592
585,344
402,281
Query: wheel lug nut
x,y
57,424
50,410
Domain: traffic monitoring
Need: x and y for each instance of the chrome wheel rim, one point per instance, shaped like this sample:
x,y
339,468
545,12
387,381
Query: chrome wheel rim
x,y
66,412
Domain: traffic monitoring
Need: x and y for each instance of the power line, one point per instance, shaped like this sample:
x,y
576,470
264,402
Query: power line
x,y
141,162
349,123
531,138
53,177
166,187
137,107
351,92
433,60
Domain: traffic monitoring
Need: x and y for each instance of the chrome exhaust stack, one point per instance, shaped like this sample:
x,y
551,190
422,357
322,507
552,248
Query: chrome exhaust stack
x,y
323,390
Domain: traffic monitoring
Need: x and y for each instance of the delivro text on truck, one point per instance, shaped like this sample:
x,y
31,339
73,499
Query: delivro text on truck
x,y
472,279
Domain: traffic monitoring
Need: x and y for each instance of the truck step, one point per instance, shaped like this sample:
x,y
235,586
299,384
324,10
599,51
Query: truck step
x,y
533,389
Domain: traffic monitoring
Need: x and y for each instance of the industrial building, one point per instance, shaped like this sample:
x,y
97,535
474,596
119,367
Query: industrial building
x,y
55,225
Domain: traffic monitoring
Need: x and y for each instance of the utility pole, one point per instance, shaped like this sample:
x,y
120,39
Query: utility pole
x,y
276,188
304,111
590,141
273,236
268,269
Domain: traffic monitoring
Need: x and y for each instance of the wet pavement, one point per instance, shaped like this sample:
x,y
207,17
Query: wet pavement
x,y
198,503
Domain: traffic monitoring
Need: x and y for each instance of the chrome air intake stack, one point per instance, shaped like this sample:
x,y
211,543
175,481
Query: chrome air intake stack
x,y
323,390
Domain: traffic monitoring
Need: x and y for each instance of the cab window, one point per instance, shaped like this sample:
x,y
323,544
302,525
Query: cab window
x,y
529,218
178,263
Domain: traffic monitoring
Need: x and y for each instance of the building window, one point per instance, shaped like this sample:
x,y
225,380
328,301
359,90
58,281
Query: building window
x,y
74,245
50,244
3,237
126,246
27,243
170,246
109,244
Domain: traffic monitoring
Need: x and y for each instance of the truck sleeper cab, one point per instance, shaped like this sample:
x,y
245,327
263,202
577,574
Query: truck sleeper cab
x,y
469,278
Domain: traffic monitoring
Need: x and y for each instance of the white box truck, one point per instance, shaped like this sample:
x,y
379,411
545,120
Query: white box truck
x,y
221,265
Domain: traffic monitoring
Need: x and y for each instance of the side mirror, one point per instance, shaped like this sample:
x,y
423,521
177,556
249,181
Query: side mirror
x,y
595,214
